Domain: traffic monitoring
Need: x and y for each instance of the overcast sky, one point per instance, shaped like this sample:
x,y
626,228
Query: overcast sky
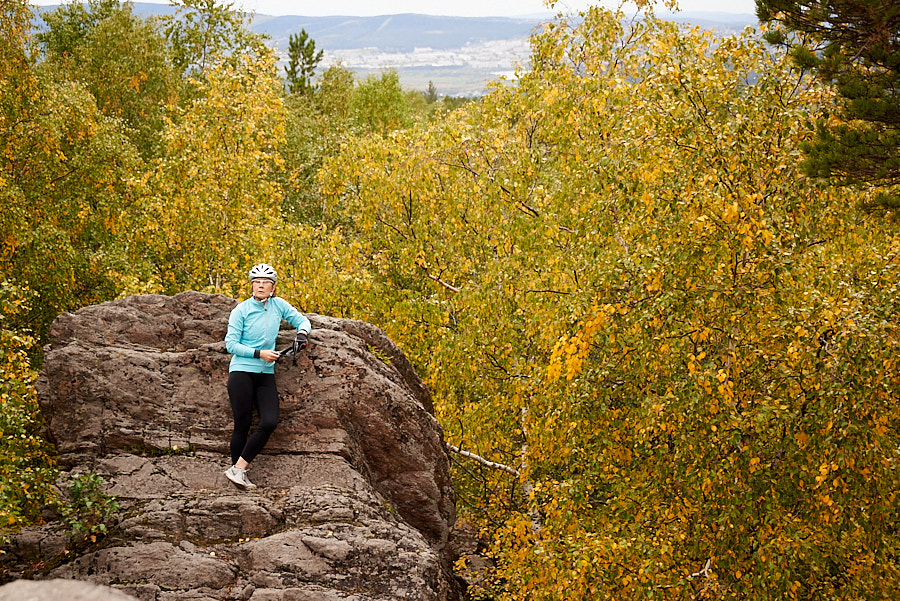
x,y
457,8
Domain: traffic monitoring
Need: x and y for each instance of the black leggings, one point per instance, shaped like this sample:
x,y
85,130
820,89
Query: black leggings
x,y
246,390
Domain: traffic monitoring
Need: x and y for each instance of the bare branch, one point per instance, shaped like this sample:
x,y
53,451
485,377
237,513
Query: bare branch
x,y
442,282
482,460
704,572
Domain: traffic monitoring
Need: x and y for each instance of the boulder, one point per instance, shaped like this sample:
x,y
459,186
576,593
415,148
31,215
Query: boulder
x,y
354,498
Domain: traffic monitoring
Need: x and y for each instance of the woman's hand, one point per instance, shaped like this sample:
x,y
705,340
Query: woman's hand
x,y
300,342
268,356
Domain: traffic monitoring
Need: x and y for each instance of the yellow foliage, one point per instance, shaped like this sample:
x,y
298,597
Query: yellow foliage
x,y
209,209
615,279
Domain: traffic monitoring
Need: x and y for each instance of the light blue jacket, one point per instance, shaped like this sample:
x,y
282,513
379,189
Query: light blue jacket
x,y
253,326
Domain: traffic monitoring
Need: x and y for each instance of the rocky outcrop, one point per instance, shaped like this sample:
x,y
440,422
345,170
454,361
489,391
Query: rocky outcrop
x,y
354,499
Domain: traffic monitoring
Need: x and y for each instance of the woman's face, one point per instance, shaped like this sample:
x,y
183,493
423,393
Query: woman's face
x,y
262,288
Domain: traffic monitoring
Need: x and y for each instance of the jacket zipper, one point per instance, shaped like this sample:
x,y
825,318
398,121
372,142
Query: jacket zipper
x,y
266,321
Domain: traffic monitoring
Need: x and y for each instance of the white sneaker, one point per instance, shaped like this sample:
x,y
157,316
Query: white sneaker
x,y
239,478
247,483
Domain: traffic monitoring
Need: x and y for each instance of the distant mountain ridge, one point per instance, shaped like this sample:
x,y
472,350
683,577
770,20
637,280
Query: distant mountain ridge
x,y
406,32
459,55
395,33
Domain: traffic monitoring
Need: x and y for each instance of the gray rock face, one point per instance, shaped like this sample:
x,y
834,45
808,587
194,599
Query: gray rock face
x,y
59,590
354,500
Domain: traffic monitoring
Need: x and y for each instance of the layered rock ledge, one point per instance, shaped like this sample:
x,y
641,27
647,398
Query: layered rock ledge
x,y
354,500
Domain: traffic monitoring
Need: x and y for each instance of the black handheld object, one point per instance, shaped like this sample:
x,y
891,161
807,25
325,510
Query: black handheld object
x,y
300,343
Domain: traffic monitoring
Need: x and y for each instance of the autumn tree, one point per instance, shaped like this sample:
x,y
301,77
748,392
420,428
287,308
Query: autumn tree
x,y
302,62
854,46
46,143
121,59
206,210
62,169
379,103
25,463
27,472
620,286
201,32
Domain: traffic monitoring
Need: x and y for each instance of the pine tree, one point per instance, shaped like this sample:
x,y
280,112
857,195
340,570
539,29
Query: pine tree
x,y
854,45
302,62
431,94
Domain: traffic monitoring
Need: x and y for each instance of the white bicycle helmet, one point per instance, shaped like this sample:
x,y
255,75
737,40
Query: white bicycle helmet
x,y
263,270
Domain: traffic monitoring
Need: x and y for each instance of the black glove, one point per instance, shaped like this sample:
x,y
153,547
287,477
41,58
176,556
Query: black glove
x,y
300,342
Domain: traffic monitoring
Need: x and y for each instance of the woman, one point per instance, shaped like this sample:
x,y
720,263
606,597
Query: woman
x,y
252,329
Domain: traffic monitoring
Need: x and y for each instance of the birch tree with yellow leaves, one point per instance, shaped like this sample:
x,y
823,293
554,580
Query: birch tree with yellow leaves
x,y
666,361
208,207
62,193
618,284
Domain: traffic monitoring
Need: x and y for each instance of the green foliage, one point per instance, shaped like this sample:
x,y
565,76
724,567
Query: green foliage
x,y
379,104
70,25
438,105
431,94
302,62
451,103
335,90
203,32
120,58
26,464
89,509
854,46
319,122
316,124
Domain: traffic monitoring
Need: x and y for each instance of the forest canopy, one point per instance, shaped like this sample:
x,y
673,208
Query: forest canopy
x,y
611,272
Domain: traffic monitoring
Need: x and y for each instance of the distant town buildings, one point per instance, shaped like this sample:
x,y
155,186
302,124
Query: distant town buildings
x,y
462,71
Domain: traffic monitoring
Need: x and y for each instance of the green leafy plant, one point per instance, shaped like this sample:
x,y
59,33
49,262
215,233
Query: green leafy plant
x,y
851,45
90,508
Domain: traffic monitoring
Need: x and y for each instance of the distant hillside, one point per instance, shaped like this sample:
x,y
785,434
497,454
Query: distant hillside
x,y
395,33
406,32
717,21
459,55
